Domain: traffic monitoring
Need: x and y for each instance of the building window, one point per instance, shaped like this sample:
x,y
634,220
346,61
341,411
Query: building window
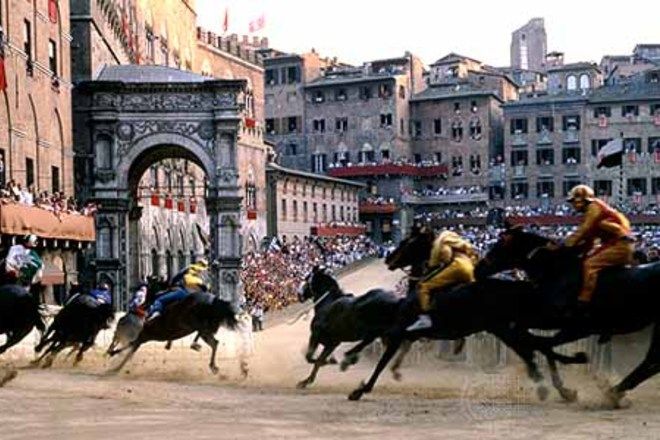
x,y
54,179
27,39
29,171
545,123
632,145
571,83
438,157
283,209
293,124
475,164
545,156
654,145
545,189
293,75
271,77
402,127
603,188
437,126
654,109
417,129
385,154
318,164
384,90
318,125
570,156
457,107
655,186
365,93
334,213
342,157
473,107
570,122
637,186
519,158
295,210
341,124
418,158
52,57
519,190
318,97
292,149
315,212
305,213
457,166
602,111
518,126
340,95
402,92
585,82
568,185
457,131
475,129
386,119
629,111
270,126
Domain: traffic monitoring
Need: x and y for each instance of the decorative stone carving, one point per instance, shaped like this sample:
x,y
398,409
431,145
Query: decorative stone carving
x,y
227,175
125,131
201,132
229,276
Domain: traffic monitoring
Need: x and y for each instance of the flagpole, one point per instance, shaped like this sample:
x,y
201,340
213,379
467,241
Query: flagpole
x,y
623,158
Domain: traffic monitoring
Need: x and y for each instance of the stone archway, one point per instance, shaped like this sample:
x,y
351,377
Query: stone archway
x,y
126,125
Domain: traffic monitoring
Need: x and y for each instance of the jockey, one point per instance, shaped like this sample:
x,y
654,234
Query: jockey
x,y
136,306
451,263
190,281
23,263
607,225
102,294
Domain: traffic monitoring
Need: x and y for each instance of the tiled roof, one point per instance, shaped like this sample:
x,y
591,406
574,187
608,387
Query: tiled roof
x,y
148,74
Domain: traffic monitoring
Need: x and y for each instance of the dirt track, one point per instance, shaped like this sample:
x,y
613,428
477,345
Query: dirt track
x,y
170,395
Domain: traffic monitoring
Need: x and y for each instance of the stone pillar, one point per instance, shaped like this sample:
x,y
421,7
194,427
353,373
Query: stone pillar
x,y
111,258
223,205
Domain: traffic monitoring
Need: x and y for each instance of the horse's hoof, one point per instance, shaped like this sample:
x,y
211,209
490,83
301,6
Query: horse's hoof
x,y
332,361
195,346
542,392
343,366
356,395
614,398
396,375
569,395
581,358
302,384
214,369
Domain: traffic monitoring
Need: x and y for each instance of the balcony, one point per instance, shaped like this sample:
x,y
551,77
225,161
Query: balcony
x,y
445,199
378,208
22,220
519,171
544,138
390,169
335,230
519,139
571,137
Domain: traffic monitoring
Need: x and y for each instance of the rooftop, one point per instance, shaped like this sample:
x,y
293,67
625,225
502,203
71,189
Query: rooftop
x,y
349,79
453,91
452,57
575,66
131,73
274,167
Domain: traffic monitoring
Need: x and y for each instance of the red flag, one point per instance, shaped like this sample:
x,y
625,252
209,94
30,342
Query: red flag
x,y
3,76
225,23
52,10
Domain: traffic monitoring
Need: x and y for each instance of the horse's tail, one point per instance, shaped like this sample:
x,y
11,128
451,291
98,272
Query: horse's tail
x,y
225,312
39,319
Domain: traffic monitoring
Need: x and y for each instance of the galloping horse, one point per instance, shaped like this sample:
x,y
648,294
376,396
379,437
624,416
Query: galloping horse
x,y
339,317
199,312
20,312
492,305
626,300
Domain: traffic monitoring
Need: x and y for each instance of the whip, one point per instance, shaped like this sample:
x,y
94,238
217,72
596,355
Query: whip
x,y
306,311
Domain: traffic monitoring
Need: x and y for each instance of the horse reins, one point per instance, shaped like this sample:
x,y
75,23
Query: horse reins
x,y
310,308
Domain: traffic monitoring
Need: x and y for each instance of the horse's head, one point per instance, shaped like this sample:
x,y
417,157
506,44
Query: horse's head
x,y
512,251
413,251
317,283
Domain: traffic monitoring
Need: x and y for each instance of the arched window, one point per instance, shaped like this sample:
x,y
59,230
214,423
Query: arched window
x,y
155,263
585,83
571,82
104,240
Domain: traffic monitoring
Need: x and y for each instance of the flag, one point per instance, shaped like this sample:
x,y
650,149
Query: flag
x,y
225,22
610,154
258,23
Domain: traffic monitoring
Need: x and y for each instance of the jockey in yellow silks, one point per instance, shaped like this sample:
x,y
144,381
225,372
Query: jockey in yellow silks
x,y
451,263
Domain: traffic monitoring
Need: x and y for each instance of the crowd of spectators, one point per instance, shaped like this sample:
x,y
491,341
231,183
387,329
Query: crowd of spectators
x,y
56,202
443,191
368,161
378,200
272,276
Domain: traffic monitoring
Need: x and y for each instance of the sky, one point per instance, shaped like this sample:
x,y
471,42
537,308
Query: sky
x,y
360,30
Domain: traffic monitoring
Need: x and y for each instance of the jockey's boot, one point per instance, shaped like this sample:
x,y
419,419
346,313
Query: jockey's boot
x,y
153,316
423,322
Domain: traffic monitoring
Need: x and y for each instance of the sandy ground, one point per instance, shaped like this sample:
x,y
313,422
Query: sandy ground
x,y
172,395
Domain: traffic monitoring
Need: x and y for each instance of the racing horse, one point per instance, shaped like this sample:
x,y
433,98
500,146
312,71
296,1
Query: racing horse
x,y
626,300
76,325
341,317
492,305
199,312
20,312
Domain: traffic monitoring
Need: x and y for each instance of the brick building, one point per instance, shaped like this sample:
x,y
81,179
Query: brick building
x,y
35,120
303,204
529,46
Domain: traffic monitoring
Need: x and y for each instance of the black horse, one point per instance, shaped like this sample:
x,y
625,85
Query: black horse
x,y
76,325
199,312
340,317
20,312
493,305
626,300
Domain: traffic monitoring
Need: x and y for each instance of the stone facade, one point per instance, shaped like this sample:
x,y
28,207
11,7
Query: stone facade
x,y
300,201
529,46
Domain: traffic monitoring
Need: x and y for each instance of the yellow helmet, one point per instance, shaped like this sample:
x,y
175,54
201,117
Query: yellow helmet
x,y
581,193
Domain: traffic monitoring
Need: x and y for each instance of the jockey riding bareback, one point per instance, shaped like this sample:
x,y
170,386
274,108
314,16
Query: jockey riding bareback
x,y
451,263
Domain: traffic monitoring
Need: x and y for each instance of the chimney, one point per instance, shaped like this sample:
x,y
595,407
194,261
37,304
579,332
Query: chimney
x,y
264,43
246,40
218,42
255,41
210,38
200,31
